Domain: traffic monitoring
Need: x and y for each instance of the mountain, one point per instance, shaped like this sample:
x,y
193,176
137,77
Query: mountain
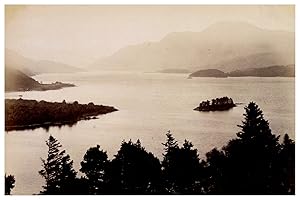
x,y
16,80
46,66
209,73
230,42
270,71
17,61
32,67
253,61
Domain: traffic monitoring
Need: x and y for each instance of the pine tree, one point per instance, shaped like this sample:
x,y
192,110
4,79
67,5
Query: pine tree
x,y
286,168
251,156
68,174
134,171
57,170
171,143
189,170
255,127
215,166
94,166
181,167
9,184
169,163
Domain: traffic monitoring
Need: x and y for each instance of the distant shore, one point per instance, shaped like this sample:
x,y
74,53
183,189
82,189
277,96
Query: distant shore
x,y
42,87
52,86
270,71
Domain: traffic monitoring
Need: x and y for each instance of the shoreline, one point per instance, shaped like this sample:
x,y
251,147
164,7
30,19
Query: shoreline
x,y
44,87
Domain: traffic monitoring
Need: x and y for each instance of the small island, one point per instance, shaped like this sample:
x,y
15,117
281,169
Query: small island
x,y
23,114
218,104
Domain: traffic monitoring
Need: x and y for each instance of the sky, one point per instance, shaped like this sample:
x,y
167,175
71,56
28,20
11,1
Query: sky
x,y
79,35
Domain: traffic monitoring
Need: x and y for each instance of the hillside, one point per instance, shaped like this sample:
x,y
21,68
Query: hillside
x,y
256,60
16,80
230,43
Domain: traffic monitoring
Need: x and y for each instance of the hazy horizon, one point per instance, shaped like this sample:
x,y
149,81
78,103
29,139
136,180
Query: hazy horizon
x,y
92,32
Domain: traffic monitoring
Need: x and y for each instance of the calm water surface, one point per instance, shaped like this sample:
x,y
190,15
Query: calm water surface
x,y
149,105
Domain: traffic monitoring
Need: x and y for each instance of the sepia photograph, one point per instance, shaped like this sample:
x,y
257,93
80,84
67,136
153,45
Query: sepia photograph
x,y
149,99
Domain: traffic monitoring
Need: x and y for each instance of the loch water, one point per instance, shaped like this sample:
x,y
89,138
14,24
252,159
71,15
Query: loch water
x,y
149,105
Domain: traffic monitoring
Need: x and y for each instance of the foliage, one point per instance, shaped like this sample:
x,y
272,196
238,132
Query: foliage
x,y
20,113
181,167
94,166
253,163
285,168
9,184
248,164
134,171
57,170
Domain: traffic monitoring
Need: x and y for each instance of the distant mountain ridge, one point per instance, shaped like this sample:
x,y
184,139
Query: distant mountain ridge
x,y
270,71
224,46
33,67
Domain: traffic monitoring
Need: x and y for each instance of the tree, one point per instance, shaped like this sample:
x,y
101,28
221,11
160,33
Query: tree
x,y
94,166
214,179
181,167
9,184
189,170
286,167
134,171
251,157
171,149
57,170
79,186
170,145
253,163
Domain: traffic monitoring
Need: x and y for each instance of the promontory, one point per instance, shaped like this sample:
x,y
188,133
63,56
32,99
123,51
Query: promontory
x,y
29,114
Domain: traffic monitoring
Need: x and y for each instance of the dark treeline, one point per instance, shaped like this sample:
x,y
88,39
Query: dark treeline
x,y
253,163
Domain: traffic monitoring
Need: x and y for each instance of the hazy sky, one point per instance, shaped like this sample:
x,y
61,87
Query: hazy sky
x,y
78,35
